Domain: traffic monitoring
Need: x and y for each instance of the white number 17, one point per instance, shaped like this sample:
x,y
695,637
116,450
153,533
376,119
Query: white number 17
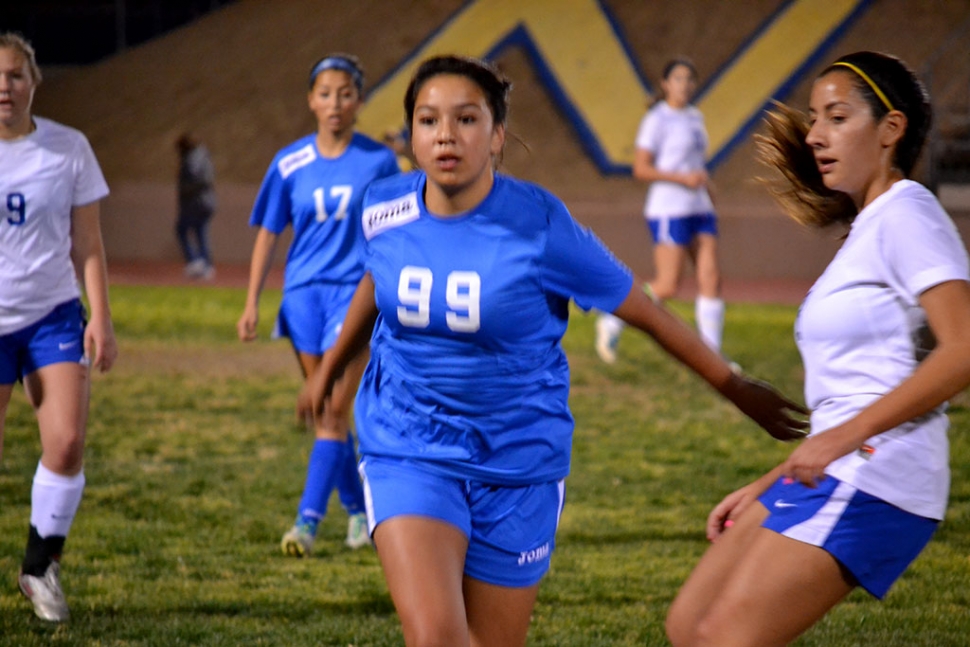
x,y
341,191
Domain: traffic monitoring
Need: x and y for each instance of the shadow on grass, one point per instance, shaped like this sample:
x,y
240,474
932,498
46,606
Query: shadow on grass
x,y
604,538
286,609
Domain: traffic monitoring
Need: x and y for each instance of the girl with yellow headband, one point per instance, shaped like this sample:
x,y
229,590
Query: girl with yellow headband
x,y
885,338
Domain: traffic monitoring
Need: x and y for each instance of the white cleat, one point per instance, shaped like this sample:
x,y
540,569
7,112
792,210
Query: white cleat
x,y
46,594
357,534
195,269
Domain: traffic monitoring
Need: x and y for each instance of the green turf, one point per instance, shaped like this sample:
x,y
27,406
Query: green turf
x,y
195,464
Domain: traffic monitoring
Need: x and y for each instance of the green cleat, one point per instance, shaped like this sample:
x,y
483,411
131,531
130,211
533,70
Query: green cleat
x,y
297,542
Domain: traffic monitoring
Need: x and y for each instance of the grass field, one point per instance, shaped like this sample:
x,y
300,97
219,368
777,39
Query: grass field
x,y
195,464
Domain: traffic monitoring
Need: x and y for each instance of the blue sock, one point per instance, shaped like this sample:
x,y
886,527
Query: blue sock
x,y
349,489
326,460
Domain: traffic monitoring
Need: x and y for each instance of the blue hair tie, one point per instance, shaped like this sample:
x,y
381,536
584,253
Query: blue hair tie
x,y
338,63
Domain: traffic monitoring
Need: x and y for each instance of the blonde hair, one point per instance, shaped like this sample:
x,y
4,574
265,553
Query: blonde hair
x,y
799,190
19,43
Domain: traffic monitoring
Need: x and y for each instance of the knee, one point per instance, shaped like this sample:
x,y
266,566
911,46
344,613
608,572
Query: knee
x,y
332,428
663,290
434,634
337,418
66,458
706,634
709,282
678,629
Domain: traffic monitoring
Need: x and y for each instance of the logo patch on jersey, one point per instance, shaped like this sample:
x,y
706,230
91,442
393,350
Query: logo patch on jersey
x,y
387,215
296,159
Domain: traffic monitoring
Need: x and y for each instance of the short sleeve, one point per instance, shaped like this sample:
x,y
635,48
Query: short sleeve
x,y
89,182
649,132
271,210
576,265
921,247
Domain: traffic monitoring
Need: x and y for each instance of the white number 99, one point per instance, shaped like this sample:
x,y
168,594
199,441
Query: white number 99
x,y
463,293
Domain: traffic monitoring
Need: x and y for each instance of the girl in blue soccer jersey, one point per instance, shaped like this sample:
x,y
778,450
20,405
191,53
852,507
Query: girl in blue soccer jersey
x,y
463,416
315,185
50,232
885,338
671,153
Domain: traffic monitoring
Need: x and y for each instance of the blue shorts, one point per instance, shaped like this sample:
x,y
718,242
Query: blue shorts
x,y
874,540
312,315
58,337
511,530
681,230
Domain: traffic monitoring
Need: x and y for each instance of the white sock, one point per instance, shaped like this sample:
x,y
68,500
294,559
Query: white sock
x,y
709,314
54,501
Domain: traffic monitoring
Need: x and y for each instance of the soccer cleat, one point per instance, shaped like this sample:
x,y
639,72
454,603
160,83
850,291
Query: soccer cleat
x,y
297,542
46,594
195,269
357,534
606,341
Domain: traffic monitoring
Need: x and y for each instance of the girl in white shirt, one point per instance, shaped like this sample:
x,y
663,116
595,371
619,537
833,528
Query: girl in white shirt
x,y
885,338
671,153
50,232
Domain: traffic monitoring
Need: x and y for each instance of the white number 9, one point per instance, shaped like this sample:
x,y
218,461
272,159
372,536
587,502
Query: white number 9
x,y
464,292
414,293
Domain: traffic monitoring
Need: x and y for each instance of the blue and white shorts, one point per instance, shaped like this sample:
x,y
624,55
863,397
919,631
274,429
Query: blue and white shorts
x,y
511,530
312,315
681,230
874,540
58,337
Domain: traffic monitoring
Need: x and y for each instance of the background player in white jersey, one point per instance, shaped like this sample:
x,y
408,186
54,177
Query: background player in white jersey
x,y
50,188
464,423
316,185
860,498
671,150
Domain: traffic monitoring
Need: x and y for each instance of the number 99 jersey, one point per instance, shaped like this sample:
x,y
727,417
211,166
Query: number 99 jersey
x,y
466,370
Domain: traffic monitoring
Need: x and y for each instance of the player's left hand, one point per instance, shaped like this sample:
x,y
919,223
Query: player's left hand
x,y
782,418
99,339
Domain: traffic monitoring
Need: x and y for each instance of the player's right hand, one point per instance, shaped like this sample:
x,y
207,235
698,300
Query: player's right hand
x,y
730,508
246,326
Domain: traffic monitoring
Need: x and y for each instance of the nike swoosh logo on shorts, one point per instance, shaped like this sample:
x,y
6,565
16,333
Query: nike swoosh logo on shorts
x,y
780,503
64,345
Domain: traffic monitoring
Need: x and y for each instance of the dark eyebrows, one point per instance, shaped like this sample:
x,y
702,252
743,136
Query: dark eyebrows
x,y
829,106
471,105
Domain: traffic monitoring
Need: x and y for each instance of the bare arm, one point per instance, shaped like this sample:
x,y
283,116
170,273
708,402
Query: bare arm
x,y
645,171
755,399
259,265
87,252
944,373
353,340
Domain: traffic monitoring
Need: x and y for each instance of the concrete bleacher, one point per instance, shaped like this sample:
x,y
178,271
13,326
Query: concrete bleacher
x,y
237,78
947,74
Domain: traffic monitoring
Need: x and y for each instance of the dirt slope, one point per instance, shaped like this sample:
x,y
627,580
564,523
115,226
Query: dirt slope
x,y
237,78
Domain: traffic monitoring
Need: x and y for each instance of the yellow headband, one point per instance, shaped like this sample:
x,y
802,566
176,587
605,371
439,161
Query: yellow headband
x,y
872,84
